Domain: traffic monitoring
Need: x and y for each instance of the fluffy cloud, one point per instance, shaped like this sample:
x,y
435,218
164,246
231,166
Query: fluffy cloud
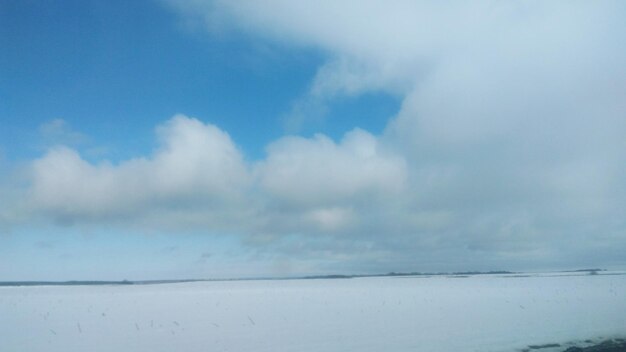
x,y
317,171
511,124
197,178
196,165
507,149
316,185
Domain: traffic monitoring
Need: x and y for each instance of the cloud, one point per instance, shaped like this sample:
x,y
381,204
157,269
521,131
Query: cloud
x,y
58,132
506,151
198,179
196,165
317,171
316,186
510,131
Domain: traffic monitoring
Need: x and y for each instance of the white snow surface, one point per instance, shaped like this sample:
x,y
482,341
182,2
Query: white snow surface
x,y
439,313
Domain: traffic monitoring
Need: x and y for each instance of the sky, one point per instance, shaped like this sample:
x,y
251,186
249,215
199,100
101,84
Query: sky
x,y
215,139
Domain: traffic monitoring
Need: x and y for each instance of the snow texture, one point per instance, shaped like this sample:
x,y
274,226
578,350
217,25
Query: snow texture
x,y
476,313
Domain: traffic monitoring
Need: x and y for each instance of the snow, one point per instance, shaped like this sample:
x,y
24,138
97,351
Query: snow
x,y
476,313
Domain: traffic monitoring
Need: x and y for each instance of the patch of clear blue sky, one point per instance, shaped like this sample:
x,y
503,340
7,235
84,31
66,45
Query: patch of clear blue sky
x,y
116,69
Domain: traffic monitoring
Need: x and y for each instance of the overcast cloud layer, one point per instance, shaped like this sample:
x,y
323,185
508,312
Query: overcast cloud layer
x,y
508,151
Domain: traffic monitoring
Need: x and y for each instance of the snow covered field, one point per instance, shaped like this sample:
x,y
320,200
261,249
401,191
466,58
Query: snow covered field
x,y
477,313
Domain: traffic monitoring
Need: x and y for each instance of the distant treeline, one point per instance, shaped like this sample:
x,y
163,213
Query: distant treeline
x,y
413,273
441,273
88,283
63,283
332,276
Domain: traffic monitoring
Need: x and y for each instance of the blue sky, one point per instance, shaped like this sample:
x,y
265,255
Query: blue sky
x,y
170,139
97,64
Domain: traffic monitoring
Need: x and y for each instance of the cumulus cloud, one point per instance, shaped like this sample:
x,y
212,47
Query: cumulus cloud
x,y
511,123
314,185
196,165
317,171
507,149
198,179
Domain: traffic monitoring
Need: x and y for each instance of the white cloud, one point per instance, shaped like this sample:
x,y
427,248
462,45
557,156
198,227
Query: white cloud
x,y
198,179
508,147
316,186
511,127
196,165
317,171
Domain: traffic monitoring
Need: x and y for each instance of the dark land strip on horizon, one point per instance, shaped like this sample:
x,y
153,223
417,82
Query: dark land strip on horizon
x,y
456,274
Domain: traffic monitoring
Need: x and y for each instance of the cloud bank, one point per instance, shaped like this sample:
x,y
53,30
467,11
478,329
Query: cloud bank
x,y
507,149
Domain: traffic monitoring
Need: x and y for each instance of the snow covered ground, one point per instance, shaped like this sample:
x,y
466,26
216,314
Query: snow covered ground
x,y
476,313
